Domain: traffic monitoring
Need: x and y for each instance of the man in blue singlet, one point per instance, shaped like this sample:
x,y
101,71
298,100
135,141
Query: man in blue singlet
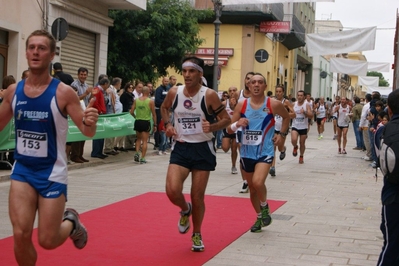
x,y
40,106
255,116
195,109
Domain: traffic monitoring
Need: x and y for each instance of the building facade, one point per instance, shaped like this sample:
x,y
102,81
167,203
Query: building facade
x,y
245,45
86,42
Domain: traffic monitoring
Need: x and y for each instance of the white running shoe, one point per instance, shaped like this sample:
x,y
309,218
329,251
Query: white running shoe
x,y
234,170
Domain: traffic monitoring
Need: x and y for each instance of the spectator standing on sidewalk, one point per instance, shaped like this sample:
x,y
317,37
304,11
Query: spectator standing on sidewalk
x,y
160,94
84,92
143,110
127,99
99,103
256,118
364,127
192,150
357,113
40,175
114,106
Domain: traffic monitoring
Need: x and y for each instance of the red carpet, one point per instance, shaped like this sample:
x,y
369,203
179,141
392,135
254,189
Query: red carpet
x,y
143,231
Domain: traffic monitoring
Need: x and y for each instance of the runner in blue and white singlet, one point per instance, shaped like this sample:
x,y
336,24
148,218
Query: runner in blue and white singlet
x,y
38,106
257,137
256,118
40,137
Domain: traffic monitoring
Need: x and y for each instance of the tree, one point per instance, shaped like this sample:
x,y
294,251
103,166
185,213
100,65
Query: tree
x,y
381,82
143,44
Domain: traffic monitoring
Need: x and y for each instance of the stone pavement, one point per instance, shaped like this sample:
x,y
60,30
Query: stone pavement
x,y
331,217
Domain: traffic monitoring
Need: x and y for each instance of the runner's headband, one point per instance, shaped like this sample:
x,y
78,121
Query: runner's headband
x,y
194,65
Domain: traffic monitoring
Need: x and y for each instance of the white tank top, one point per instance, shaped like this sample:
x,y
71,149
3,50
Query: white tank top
x,y
321,110
228,108
188,115
300,121
278,120
342,114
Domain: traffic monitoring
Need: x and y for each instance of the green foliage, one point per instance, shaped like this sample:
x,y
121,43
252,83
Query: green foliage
x,y
381,82
143,44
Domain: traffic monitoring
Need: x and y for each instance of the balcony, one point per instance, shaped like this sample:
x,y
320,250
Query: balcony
x,y
296,38
247,14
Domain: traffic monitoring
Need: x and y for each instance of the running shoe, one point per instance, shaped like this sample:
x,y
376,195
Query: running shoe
x,y
143,161
160,153
137,157
266,218
366,158
335,137
184,221
343,151
257,227
79,232
321,135
301,159
272,171
282,154
234,170
319,138
374,165
295,151
244,188
198,244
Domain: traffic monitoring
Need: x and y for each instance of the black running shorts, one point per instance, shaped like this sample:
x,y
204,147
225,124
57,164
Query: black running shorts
x,y
199,156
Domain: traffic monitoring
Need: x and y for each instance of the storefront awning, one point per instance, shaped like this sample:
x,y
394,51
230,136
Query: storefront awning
x,y
209,60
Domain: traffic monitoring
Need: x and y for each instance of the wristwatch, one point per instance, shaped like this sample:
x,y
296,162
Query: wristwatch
x,y
283,134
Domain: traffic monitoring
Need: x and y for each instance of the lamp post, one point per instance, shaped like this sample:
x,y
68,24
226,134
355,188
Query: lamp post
x,y
218,12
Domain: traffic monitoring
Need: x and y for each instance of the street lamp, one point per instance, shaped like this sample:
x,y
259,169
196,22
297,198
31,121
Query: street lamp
x,y
218,12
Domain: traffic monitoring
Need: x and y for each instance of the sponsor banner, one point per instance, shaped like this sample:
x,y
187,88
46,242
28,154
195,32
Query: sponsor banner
x,y
108,126
274,27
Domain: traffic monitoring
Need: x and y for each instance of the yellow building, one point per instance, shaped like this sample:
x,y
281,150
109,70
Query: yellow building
x,y
245,45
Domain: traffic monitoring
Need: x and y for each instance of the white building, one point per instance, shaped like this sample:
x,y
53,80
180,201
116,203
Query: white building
x,y
86,44
328,86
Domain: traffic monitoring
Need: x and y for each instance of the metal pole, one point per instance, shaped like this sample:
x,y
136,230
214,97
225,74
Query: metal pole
x,y
218,12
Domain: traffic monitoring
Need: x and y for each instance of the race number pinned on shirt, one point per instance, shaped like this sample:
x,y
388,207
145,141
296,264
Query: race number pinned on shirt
x,y
189,126
32,144
252,137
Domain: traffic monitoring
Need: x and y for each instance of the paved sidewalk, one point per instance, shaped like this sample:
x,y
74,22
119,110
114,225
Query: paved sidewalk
x,y
331,217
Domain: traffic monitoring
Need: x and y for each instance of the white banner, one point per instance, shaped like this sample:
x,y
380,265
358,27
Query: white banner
x,y
384,91
339,42
347,66
368,81
380,67
248,2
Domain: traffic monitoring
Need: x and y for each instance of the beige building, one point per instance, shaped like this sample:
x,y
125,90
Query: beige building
x,y
86,44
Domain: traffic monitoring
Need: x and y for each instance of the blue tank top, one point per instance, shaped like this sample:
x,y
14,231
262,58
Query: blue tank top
x,y
40,134
257,137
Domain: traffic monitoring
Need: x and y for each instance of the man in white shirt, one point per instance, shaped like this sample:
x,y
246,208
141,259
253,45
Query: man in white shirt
x,y
364,126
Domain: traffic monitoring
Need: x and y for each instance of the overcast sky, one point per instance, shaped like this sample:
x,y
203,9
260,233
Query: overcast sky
x,y
363,14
